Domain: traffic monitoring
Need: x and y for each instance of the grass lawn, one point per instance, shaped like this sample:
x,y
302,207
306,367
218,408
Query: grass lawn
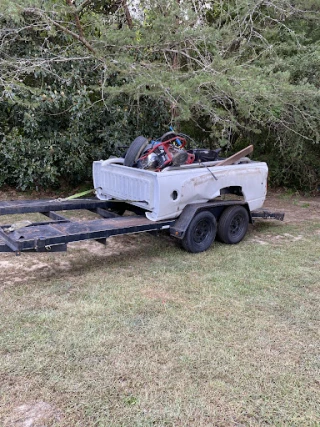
x,y
150,335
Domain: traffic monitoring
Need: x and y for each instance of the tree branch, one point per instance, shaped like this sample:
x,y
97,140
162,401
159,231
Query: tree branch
x,y
76,17
62,28
74,35
127,13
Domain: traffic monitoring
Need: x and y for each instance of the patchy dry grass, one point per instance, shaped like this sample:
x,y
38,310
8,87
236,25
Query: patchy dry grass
x,y
143,334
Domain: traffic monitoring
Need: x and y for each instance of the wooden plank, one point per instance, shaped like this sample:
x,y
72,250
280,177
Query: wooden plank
x,y
236,157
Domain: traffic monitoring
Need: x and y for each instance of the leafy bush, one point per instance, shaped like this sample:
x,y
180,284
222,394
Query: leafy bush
x,y
80,80
57,138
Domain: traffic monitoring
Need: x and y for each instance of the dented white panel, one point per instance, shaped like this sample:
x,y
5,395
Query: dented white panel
x,y
165,194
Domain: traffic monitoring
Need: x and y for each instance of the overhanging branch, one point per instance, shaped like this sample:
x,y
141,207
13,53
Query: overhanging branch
x,y
76,36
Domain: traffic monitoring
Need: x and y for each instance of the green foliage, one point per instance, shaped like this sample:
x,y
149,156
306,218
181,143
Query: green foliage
x,y
60,134
78,82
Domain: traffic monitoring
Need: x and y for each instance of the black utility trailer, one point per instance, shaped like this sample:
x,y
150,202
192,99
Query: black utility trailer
x,y
196,227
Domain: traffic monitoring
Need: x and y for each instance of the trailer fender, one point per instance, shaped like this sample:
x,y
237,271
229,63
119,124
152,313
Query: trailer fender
x,y
178,229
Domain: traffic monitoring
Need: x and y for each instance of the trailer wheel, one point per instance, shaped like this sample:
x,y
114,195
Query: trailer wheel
x,y
200,233
233,224
135,150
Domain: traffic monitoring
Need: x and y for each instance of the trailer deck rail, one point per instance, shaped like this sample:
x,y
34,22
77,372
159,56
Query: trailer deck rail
x,y
54,235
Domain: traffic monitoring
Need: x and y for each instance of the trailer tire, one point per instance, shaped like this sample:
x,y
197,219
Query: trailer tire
x,y
233,224
200,233
135,150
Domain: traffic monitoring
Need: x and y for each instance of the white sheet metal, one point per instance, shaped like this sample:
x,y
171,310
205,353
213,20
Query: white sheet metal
x,y
165,194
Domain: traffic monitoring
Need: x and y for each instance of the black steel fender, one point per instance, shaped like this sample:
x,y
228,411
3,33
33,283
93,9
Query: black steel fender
x,y
181,224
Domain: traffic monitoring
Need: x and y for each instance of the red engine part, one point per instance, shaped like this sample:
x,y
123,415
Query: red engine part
x,y
175,153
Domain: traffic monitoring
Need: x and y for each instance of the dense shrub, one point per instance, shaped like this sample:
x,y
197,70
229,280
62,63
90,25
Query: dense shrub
x,y
81,79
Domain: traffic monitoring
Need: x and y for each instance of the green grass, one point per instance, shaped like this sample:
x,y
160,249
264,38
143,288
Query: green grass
x,y
159,337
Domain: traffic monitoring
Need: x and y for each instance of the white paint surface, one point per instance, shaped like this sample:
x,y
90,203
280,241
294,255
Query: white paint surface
x,y
165,194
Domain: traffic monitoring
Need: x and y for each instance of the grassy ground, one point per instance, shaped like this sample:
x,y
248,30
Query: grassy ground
x,y
153,336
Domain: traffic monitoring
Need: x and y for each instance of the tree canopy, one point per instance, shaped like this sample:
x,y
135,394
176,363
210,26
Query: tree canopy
x,y
80,79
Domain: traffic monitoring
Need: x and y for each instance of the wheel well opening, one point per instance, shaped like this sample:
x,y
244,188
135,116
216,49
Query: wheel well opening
x,y
234,190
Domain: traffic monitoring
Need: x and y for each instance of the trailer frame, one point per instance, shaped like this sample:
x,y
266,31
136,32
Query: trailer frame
x,y
54,234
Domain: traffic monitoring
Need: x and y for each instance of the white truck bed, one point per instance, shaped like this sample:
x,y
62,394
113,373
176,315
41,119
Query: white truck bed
x,y
165,194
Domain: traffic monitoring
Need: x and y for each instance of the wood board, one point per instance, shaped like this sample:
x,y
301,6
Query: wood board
x,y
236,157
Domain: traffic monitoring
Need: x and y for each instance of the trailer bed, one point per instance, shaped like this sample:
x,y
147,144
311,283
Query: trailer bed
x,y
54,234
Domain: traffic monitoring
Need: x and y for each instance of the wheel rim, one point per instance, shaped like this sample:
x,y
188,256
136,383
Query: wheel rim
x,y
237,225
201,231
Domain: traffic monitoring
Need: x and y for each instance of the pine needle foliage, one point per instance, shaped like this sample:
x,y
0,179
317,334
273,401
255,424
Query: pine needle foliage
x,y
81,79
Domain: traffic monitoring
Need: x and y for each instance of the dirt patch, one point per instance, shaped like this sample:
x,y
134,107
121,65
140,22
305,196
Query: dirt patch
x,y
14,270
279,239
32,415
296,208
17,270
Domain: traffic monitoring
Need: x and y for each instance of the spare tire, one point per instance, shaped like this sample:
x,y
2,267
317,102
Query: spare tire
x,y
135,150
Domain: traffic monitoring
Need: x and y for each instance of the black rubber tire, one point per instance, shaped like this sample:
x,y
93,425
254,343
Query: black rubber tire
x,y
233,224
169,135
135,150
200,233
